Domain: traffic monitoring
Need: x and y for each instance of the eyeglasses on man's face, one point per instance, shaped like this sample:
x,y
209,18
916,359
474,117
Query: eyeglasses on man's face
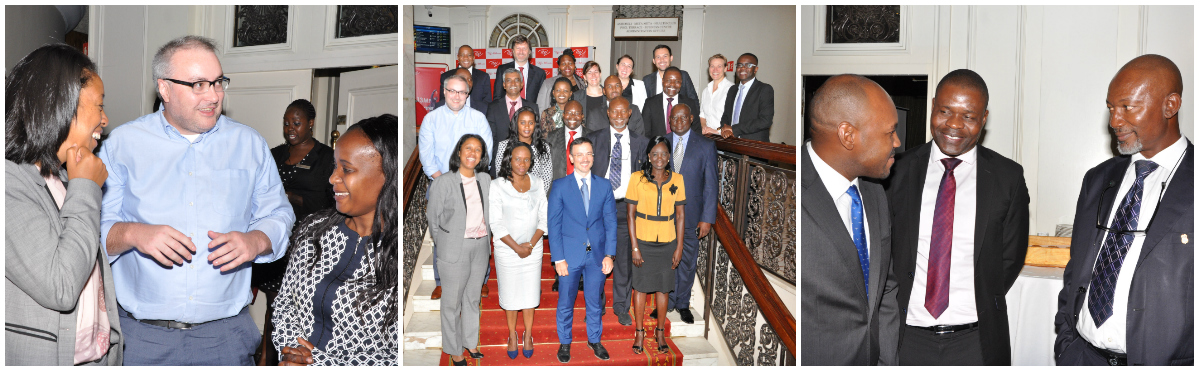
x,y
202,86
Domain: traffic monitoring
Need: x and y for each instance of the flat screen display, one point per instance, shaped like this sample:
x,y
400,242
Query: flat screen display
x,y
432,39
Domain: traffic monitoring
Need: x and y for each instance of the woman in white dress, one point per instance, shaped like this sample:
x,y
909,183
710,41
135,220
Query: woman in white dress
x,y
518,220
635,90
712,99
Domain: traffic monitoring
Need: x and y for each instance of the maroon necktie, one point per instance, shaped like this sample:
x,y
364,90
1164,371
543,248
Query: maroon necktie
x,y
669,108
937,280
512,106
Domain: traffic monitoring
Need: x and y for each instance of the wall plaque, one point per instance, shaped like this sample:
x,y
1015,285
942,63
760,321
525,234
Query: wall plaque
x,y
646,28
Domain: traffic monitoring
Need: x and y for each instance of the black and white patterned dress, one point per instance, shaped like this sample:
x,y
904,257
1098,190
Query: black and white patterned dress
x,y
319,305
541,163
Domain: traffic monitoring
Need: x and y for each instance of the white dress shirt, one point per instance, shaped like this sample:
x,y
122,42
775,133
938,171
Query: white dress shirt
x,y
837,186
712,104
619,192
639,93
1111,334
961,306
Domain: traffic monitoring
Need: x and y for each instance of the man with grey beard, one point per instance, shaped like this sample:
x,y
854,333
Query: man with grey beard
x,y
1127,291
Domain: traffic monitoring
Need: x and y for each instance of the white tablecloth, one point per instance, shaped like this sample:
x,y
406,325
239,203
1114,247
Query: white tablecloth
x,y
1032,303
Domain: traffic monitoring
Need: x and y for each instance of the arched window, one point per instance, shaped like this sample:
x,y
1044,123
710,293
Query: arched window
x,y
519,24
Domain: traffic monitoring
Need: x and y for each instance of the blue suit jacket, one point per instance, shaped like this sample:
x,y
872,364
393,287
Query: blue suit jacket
x,y
699,171
571,228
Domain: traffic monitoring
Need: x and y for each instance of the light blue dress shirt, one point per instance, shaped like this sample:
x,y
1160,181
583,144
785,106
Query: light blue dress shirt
x,y
225,181
442,129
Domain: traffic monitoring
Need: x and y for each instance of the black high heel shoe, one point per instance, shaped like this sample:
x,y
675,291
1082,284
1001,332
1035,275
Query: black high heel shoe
x,y
638,341
461,363
527,352
660,336
475,355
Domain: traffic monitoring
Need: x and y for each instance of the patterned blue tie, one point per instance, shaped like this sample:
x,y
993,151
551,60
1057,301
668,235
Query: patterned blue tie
x,y
615,175
1112,253
860,236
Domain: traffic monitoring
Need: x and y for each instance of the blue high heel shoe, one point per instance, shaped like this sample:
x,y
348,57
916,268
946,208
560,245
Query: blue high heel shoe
x,y
528,353
512,354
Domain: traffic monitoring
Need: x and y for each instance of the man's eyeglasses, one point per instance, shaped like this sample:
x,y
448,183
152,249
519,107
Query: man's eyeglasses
x,y
201,86
458,92
746,65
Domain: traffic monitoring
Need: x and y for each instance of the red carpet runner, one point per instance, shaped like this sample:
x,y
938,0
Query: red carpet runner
x,y
617,339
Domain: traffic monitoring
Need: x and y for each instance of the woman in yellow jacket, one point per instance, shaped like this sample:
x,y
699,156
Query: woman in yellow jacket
x,y
655,198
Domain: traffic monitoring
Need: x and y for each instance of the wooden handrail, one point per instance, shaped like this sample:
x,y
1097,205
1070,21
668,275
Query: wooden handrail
x,y
771,306
412,170
766,150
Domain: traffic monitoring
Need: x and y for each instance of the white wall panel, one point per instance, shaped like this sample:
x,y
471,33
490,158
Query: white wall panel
x,y
258,99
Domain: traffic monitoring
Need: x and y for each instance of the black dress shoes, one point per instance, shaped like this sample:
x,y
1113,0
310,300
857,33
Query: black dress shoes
x,y
554,287
599,349
564,353
623,317
686,316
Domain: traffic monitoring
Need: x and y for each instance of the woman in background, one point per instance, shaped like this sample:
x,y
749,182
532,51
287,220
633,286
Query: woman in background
x,y
566,70
593,94
712,99
552,116
524,128
635,89
59,301
338,302
518,221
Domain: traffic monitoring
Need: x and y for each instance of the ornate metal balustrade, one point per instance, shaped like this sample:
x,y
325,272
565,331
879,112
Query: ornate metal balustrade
x,y
755,232
415,185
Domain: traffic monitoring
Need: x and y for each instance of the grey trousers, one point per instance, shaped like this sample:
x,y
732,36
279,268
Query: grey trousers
x,y
460,296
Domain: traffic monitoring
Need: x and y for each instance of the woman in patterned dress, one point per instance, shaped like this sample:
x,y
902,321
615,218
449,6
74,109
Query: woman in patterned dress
x,y
552,116
338,301
525,129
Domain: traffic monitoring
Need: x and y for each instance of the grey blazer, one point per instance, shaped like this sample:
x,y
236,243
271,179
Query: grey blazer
x,y
840,324
48,256
447,213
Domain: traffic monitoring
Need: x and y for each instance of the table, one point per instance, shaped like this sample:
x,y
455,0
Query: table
x,y
1032,303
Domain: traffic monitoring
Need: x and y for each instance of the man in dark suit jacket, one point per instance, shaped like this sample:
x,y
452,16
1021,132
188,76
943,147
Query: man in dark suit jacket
x,y
1145,291
954,271
475,103
534,76
559,139
597,117
633,153
662,60
582,245
480,81
655,117
849,314
498,111
758,104
699,170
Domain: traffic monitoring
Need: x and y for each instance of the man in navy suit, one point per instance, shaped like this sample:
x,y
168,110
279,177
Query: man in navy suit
x,y
656,118
752,117
583,235
619,154
480,81
1127,295
533,76
695,158
499,112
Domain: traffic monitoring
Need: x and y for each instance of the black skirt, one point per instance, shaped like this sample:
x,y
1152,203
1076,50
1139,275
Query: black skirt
x,y
656,274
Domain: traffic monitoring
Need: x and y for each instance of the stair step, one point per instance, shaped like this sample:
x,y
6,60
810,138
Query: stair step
x,y
696,352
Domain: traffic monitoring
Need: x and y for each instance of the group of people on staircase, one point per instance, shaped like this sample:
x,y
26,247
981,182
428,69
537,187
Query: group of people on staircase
x,y
614,191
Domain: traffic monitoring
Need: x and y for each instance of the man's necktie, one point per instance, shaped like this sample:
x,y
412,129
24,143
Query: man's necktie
x,y
614,174
1112,253
570,165
522,85
587,199
737,104
512,107
937,275
677,157
669,108
859,234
